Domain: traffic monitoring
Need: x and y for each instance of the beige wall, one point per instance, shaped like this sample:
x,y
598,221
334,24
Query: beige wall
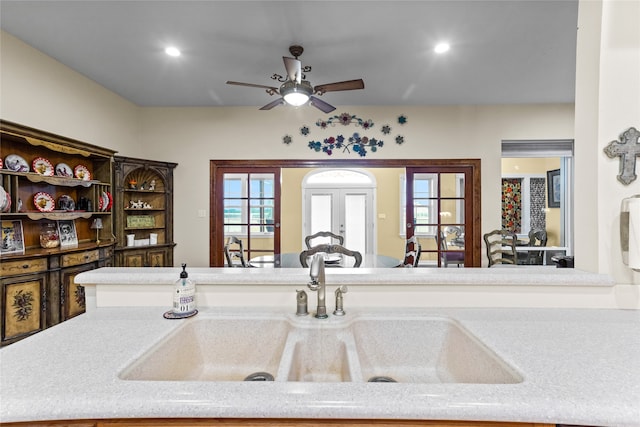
x,y
607,84
38,91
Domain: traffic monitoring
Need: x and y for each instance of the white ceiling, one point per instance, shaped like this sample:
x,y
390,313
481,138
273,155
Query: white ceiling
x,y
502,52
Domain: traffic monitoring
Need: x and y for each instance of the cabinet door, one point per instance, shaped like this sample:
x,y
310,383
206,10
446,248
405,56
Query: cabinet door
x,y
72,295
135,259
157,258
23,307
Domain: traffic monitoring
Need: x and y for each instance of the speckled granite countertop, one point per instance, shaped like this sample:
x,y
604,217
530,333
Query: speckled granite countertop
x,y
511,275
580,366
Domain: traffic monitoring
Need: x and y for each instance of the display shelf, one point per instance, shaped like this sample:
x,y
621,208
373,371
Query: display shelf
x,y
27,267
142,213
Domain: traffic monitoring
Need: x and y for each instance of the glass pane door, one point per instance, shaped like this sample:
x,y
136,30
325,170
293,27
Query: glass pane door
x,y
250,201
436,214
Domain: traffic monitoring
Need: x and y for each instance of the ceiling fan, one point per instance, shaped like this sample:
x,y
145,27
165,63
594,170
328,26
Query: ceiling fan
x,y
295,90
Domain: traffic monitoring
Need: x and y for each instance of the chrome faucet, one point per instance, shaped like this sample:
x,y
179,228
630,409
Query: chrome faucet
x,y
317,283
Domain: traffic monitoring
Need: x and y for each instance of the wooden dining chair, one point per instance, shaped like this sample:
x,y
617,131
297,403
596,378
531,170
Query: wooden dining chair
x,y
337,237
412,250
330,249
501,247
448,257
537,237
234,249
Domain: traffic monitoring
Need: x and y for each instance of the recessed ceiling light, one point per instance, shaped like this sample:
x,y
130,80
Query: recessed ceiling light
x,y
441,47
172,51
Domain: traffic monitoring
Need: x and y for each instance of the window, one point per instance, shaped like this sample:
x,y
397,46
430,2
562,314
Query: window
x,y
248,202
424,192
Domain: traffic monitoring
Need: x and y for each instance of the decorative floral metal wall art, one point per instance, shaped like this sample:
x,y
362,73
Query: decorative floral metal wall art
x,y
345,119
359,144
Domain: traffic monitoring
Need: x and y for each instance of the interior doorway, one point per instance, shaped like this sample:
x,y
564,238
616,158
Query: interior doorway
x,y
537,187
341,201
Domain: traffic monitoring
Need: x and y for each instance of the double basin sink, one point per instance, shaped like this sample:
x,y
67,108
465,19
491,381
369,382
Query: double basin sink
x,y
350,349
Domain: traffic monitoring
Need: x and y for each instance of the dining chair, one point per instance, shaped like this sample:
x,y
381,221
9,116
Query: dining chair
x,y
234,249
537,237
447,257
308,239
412,251
330,249
501,247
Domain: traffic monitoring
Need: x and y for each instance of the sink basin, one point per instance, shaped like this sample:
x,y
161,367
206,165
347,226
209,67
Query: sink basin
x,y
358,349
426,350
318,355
214,350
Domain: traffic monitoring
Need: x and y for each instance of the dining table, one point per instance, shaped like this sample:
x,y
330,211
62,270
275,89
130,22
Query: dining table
x,y
292,260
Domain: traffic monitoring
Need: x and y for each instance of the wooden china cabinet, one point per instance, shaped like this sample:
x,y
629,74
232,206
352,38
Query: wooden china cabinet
x,y
143,203
49,184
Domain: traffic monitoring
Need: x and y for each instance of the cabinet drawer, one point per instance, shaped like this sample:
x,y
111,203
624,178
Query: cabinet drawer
x,y
25,266
80,258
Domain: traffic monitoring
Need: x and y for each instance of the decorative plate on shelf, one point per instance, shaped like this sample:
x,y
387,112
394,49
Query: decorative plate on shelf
x,y
16,163
63,169
66,203
4,199
110,201
7,204
42,166
44,202
1,163
81,172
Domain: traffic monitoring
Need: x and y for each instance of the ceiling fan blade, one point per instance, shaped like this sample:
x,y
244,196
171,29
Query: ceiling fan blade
x,y
294,68
321,105
346,85
275,89
272,104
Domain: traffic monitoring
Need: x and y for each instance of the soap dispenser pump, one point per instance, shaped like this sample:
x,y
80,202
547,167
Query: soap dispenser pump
x,y
184,297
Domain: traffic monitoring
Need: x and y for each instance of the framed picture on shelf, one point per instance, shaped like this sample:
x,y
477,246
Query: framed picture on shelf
x,y
553,188
12,238
67,233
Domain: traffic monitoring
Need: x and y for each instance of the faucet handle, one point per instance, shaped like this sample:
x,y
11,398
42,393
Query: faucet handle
x,y
339,311
301,298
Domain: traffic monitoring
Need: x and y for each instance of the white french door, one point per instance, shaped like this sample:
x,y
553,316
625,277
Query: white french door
x,y
345,211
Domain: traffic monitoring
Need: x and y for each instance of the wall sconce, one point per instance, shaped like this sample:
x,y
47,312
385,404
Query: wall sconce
x,y
97,225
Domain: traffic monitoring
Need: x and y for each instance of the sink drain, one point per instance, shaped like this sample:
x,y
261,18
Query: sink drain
x,y
381,380
259,376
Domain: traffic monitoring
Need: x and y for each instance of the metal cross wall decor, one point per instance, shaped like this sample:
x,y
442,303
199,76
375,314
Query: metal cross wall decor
x,y
628,148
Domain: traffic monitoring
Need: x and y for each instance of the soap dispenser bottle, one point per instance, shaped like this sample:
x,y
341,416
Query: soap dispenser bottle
x,y
184,297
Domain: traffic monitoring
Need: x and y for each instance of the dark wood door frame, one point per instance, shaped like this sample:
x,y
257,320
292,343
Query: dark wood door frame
x,y
473,229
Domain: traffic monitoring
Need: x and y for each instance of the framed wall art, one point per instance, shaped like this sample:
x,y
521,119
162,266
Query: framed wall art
x,y
553,188
12,238
67,233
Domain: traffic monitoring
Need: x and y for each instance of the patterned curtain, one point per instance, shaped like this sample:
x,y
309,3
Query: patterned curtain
x,y
538,203
512,204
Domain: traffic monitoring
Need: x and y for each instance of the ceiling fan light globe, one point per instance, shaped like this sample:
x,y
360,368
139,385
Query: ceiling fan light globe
x,y
296,98
296,94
